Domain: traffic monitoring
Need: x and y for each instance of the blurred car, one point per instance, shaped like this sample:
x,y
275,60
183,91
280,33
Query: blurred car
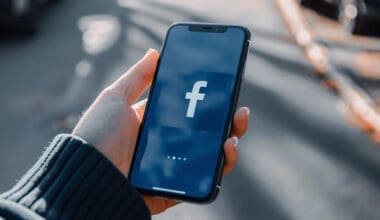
x,y
328,8
361,17
367,21
20,15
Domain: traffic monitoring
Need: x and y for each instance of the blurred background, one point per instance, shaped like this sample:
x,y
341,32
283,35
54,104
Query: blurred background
x,y
312,82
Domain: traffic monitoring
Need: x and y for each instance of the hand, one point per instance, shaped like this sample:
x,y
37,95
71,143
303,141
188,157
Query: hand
x,y
112,122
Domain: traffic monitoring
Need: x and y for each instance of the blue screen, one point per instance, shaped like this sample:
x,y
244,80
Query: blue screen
x,y
182,136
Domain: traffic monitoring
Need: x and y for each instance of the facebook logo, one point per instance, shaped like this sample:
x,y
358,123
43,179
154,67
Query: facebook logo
x,y
194,96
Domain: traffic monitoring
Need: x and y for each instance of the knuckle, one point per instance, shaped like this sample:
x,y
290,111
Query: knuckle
x,y
109,91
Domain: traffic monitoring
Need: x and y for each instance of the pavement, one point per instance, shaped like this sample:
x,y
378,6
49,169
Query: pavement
x,y
300,158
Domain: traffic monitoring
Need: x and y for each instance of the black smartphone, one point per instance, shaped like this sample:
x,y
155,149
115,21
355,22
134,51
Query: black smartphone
x,y
179,151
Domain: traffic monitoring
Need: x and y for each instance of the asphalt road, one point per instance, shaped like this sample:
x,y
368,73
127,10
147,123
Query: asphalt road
x,y
299,160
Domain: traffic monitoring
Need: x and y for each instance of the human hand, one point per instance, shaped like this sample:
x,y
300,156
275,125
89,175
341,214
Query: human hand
x,y
112,122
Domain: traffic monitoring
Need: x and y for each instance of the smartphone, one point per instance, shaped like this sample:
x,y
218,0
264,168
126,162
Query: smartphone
x,y
179,151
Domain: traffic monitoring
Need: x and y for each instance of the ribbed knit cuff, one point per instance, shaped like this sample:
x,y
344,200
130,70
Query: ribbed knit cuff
x,y
72,180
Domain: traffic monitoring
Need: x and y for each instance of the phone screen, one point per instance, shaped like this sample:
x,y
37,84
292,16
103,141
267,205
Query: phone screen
x,y
188,112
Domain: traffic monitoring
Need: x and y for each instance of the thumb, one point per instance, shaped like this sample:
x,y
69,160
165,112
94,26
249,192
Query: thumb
x,y
138,78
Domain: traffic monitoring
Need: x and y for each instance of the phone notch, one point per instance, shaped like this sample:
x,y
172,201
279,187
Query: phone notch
x,y
207,28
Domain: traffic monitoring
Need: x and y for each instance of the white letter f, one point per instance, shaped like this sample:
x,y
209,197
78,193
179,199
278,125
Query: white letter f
x,y
194,96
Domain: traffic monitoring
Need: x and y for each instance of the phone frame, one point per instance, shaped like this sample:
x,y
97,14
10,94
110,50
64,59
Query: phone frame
x,y
204,27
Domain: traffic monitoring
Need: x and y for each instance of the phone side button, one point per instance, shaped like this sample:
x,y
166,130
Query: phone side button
x,y
218,187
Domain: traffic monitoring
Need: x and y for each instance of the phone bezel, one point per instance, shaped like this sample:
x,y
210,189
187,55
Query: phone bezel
x,y
211,196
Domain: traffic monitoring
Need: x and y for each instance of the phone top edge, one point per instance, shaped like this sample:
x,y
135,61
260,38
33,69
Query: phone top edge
x,y
224,25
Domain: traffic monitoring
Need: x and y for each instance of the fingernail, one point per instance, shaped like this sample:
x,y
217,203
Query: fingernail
x,y
148,52
247,110
235,140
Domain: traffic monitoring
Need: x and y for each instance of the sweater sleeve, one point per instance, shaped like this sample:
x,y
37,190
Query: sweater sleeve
x,y
72,180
